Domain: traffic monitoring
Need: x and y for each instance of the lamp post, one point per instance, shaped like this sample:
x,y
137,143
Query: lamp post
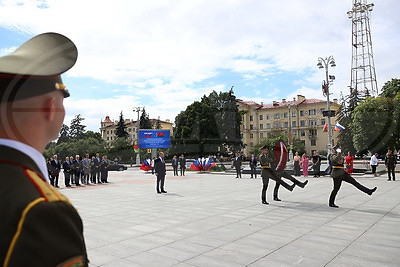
x,y
325,63
290,136
137,109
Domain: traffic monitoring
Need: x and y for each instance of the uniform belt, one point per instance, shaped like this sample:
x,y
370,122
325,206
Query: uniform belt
x,y
265,167
338,167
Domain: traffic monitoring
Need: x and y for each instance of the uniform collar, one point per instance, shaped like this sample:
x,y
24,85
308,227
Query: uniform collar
x,y
31,152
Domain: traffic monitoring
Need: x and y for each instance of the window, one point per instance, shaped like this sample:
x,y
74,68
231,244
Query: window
x,y
261,135
277,116
295,133
251,136
301,113
285,114
277,125
312,112
251,118
293,123
286,124
261,117
302,123
251,126
268,125
323,121
261,126
312,122
313,142
115,131
267,116
303,133
129,130
293,113
108,138
312,132
251,144
322,109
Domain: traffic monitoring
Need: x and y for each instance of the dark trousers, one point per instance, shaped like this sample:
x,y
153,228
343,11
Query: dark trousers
x,y
67,177
266,175
182,171
93,177
98,176
296,168
373,167
253,172
160,182
77,176
51,178
238,172
104,176
317,170
289,177
175,170
337,182
390,170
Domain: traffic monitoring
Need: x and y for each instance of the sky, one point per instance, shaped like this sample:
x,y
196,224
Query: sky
x,y
164,55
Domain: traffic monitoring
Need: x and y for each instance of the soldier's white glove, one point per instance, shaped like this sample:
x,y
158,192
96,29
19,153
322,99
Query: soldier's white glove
x,y
338,150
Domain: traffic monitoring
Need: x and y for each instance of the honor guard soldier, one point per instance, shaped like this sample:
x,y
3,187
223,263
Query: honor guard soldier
x,y
339,174
267,173
38,226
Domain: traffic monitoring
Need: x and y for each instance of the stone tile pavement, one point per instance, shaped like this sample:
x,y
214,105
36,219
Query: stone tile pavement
x,y
217,220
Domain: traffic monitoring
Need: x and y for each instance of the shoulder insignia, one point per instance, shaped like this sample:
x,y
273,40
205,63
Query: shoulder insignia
x,y
77,261
46,190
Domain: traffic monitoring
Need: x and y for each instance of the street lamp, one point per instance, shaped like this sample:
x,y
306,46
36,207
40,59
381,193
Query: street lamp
x,y
325,63
137,109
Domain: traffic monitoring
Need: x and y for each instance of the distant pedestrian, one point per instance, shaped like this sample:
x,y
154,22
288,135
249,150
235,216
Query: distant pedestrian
x,y
67,172
160,171
175,164
57,167
349,163
316,163
304,164
296,163
104,169
237,163
86,169
77,163
182,164
329,161
93,170
253,166
374,163
390,163
97,162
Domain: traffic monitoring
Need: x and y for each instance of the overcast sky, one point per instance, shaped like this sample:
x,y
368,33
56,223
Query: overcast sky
x,y
166,54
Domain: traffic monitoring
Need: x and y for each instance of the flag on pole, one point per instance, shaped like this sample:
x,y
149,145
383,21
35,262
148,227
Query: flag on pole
x,y
325,128
339,127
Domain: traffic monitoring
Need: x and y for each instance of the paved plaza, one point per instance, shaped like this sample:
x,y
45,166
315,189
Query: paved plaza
x,y
217,220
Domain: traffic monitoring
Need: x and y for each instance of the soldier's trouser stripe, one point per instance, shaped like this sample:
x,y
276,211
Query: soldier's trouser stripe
x,y
19,228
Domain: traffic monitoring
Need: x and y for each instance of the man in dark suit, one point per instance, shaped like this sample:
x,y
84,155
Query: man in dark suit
x,y
160,170
175,164
253,166
97,168
67,172
182,164
77,166
38,226
57,167
237,163
105,163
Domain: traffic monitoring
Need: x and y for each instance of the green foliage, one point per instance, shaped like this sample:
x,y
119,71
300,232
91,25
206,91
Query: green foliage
x,y
391,88
121,148
270,142
208,124
145,122
157,124
64,134
77,129
81,146
376,124
121,128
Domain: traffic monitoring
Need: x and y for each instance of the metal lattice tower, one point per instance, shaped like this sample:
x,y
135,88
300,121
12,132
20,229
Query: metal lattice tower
x,y
363,75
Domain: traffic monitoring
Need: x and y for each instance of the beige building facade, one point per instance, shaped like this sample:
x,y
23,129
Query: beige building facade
x,y
108,128
300,118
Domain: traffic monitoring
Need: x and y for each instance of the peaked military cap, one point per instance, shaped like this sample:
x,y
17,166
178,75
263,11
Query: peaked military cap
x,y
36,66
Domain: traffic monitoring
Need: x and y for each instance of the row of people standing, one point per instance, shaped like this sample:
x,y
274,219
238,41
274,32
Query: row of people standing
x,y
179,162
79,170
303,162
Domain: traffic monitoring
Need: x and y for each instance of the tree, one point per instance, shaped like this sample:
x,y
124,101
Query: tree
x,y
145,122
77,129
391,88
270,142
121,128
64,134
376,124
208,125
157,125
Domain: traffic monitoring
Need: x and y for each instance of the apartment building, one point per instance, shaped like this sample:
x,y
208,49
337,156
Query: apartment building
x,y
108,128
300,118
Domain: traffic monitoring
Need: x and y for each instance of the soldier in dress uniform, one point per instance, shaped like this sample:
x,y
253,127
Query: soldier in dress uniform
x,y
267,173
38,226
339,174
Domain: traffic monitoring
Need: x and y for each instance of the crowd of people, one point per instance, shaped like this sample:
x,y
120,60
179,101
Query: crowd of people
x,y
79,170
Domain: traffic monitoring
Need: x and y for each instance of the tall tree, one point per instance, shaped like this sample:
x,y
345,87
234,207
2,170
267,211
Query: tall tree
x,y
64,134
391,88
77,129
145,122
121,127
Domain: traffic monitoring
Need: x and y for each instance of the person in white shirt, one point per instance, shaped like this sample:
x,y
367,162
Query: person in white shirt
x,y
374,163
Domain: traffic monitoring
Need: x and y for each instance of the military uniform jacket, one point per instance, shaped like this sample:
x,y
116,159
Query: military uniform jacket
x,y
266,164
338,165
38,226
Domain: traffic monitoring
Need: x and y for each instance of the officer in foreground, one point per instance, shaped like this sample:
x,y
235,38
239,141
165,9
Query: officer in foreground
x,y
339,174
38,226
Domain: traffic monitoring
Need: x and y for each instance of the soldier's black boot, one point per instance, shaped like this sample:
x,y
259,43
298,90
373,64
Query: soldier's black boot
x,y
372,190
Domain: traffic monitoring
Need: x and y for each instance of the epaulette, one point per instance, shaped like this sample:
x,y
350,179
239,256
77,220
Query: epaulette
x,y
49,193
